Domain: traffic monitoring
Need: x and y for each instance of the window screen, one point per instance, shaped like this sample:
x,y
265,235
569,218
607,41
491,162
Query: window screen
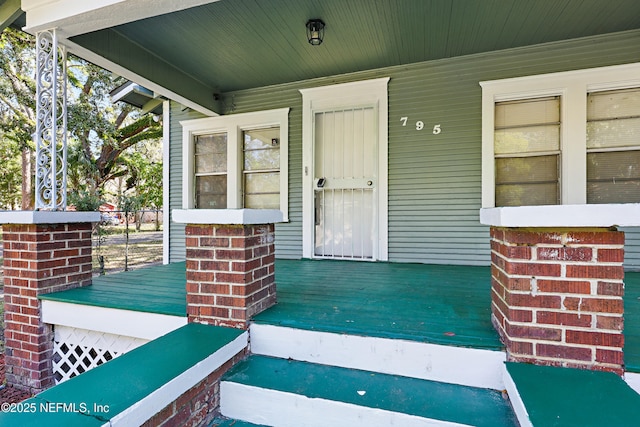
x,y
210,165
261,169
527,152
613,146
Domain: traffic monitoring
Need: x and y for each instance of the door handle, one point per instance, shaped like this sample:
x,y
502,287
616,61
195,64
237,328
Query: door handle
x,y
321,182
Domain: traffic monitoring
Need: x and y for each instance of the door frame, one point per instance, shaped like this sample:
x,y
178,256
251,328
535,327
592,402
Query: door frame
x,y
355,94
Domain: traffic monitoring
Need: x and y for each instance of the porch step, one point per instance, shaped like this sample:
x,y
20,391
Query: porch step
x,y
287,393
553,396
456,365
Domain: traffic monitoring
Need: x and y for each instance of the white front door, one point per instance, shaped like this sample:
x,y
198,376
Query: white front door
x,y
345,176
345,171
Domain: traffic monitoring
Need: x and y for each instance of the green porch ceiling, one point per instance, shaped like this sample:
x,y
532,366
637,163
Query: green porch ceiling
x,y
238,44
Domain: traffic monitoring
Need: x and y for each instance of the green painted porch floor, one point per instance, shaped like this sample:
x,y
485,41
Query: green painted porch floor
x,y
441,304
422,398
574,397
159,289
434,303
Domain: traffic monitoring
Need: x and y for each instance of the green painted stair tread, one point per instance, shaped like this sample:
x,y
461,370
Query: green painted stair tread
x,y
428,399
440,304
632,321
125,380
123,291
556,396
220,422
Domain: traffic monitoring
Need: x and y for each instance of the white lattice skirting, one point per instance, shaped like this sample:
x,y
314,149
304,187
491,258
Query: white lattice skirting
x,y
78,350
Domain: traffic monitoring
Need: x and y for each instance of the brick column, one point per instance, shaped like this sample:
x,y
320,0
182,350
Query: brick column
x,y
230,272
230,263
38,259
557,295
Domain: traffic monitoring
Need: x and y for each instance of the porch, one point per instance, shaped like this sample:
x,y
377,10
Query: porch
x,y
439,304
357,315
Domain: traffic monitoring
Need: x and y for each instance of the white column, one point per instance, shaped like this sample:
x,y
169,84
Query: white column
x,y
51,123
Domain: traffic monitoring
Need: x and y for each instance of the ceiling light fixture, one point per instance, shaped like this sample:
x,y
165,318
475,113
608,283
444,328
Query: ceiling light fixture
x,y
315,31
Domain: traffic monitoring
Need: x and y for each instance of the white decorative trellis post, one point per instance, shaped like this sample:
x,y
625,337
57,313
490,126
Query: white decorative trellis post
x,y
51,123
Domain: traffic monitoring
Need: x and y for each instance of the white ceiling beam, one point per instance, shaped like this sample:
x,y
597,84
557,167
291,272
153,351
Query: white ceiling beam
x,y
73,17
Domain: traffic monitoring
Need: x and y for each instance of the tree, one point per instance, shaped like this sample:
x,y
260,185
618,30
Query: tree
x,y
102,132
145,179
99,131
17,104
10,170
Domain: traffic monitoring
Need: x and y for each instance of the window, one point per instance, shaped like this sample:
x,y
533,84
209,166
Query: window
x,y
262,169
613,146
236,161
562,138
211,171
527,152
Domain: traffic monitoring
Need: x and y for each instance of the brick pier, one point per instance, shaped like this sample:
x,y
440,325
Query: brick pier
x,y
230,264
44,252
557,295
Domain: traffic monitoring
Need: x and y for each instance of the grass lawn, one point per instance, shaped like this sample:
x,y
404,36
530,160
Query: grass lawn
x,y
140,254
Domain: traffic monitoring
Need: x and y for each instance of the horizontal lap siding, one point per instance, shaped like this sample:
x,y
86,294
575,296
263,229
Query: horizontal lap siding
x,y
435,180
176,231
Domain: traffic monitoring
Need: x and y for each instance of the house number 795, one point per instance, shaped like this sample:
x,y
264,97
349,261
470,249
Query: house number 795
x,y
420,125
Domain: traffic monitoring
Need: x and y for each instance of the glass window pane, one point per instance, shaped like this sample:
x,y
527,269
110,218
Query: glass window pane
x,y
214,143
210,153
527,195
262,149
261,138
211,192
522,181
262,159
613,104
613,133
613,177
527,169
268,182
527,112
262,201
527,139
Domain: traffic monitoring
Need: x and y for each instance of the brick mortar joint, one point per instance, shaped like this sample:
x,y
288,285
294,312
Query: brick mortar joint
x,y
535,341
565,328
564,294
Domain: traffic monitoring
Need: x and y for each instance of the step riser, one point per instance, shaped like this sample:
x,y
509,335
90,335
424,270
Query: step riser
x,y
280,409
455,365
516,401
633,380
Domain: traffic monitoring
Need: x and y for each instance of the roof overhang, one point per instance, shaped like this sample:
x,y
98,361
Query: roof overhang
x,y
196,51
9,11
138,96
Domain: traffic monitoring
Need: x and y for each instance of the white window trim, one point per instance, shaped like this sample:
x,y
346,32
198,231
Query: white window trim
x,y
234,125
366,92
572,87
